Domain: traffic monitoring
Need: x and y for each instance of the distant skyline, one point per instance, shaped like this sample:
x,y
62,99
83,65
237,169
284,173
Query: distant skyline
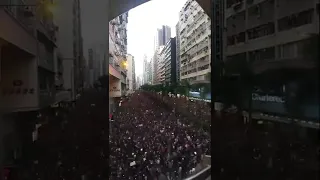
x,y
144,21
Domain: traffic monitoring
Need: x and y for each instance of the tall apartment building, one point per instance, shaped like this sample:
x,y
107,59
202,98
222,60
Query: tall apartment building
x,y
95,38
160,65
169,60
154,67
118,64
149,72
27,72
275,35
268,30
163,36
131,76
70,49
195,35
178,52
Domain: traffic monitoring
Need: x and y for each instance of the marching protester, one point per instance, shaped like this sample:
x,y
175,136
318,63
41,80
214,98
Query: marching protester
x,y
150,141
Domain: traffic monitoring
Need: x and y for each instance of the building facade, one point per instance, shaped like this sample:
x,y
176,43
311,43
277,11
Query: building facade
x,y
178,52
28,54
131,77
274,35
163,36
195,43
70,63
95,39
118,64
145,69
169,60
254,34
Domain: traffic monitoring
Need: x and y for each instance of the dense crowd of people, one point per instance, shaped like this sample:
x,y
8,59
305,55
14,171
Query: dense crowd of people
x,y
152,136
151,140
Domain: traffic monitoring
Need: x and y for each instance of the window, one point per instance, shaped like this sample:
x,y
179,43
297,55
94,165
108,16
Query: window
x,y
241,37
262,54
254,11
295,20
292,50
231,40
261,31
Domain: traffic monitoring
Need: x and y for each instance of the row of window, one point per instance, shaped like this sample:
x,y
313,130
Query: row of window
x,y
288,50
286,23
195,69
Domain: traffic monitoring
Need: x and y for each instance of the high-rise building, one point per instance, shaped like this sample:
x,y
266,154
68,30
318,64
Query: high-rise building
x,y
160,65
163,36
195,43
178,52
118,65
70,47
149,72
145,70
272,37
169,52
256,36
131,77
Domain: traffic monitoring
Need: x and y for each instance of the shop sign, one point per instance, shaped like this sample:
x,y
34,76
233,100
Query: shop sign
x,y
114,89
267,98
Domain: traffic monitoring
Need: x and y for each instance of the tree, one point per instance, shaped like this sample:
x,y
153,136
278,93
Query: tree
x,y
185,83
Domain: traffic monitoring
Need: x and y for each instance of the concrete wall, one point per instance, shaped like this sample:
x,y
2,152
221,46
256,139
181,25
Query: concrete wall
x,y
19,69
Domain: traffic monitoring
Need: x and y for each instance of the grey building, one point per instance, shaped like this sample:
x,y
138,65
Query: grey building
x,y
177,53
269,30
163,35
274,35
169,52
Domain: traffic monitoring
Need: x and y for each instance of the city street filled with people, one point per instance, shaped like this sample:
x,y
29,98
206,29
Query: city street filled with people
x,y
149,139
153,136
144,139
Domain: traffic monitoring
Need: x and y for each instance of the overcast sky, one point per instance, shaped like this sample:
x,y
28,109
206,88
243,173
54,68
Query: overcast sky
x,y
143,23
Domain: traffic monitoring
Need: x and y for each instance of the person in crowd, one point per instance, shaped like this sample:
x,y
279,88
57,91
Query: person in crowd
x,y
151,141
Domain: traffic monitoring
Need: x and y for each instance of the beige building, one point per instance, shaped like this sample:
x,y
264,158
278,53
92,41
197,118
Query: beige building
x,y
27,56
195,43
118,58
131,75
